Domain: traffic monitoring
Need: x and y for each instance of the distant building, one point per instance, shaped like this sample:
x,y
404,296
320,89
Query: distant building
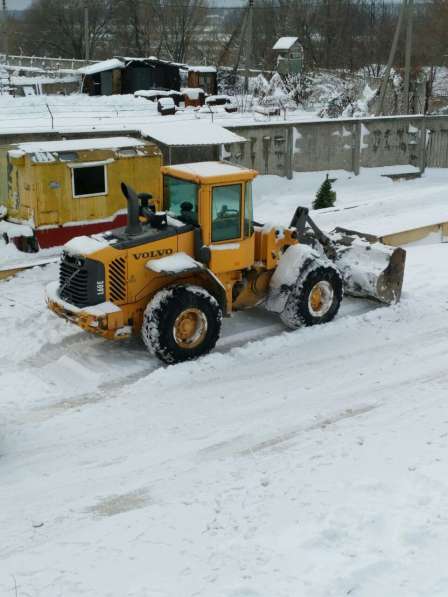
x,y
204,77
123,75
290,56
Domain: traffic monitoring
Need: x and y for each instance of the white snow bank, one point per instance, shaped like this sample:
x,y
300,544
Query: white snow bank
x,y
15,230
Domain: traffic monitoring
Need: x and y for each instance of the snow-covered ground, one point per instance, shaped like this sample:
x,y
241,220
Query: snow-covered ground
x,y
370,202
118,112
307,463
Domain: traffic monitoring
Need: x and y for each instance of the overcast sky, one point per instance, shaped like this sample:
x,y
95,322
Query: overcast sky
x,y
17,4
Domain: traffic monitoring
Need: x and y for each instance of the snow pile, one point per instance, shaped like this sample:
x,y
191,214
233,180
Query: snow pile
x,y
291,264
15,230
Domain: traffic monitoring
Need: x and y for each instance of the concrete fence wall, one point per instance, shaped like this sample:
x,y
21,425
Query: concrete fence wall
x,y
284,148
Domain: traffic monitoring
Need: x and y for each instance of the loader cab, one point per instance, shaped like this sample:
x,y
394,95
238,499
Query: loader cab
x,y
216,197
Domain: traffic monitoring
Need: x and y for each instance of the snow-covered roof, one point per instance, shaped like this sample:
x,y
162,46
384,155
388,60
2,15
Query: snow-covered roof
x,y
100,67
212,169
202,69
151,93
192,132
285,43
79,144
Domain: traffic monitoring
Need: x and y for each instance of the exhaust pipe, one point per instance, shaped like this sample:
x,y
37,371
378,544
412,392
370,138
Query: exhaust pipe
x,y
134,227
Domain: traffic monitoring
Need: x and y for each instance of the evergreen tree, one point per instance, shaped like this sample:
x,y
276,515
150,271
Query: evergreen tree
x,y
325,196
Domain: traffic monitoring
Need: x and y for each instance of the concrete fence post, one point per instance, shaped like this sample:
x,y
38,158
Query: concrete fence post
x,y
289,154
356,145
423,140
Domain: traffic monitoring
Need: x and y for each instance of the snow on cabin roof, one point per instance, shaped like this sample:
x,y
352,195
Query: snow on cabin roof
x,y
100,67
79,145
190,133
211,169
285,43
202,69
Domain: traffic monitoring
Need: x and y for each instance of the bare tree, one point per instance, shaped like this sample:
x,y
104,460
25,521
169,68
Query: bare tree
x,y
182,22
137,25
56,27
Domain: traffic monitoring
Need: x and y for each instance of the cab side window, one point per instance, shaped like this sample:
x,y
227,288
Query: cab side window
x,y
226,212
181,199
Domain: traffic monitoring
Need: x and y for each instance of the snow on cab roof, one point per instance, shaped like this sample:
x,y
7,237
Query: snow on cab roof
x,y
100,67
80,144
285,43
210,169
192,132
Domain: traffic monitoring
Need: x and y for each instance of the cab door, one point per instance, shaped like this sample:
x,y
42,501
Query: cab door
x,y
231,234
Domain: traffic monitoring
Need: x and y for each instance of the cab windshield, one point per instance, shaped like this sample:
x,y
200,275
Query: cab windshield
x,y
181,199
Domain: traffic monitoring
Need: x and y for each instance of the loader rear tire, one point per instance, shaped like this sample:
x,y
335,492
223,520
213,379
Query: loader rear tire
x,y
181,323
316,298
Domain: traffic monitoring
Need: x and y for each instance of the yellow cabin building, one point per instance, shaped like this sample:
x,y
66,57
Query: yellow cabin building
x,y
63,189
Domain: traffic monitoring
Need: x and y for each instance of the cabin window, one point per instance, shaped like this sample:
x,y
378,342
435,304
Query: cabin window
x,y
181,199
226,212
89,181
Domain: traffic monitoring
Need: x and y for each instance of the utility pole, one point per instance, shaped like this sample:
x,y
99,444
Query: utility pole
x,y
407,66
249,44
5,29
86,32
390,62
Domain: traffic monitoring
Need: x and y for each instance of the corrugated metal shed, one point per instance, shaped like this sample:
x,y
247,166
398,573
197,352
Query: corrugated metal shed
x,y
190,133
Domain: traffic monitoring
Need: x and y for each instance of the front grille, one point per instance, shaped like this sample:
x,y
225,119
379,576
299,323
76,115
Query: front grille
x,y
117,279
74,281
81,281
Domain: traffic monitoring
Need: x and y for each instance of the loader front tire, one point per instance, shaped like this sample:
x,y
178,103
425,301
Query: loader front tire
x,y
316,298
181,323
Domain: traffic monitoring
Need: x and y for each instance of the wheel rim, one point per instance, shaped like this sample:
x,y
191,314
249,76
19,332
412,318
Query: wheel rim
x,y
190,328
320,299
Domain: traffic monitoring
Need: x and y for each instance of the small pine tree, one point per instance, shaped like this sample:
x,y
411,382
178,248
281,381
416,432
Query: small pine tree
x,y
325,196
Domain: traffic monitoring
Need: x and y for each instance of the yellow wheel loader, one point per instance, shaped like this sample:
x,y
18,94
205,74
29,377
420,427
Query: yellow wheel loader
x,y
186,260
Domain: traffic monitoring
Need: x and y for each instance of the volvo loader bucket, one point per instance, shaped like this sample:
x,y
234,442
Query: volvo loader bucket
x,y
369,268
